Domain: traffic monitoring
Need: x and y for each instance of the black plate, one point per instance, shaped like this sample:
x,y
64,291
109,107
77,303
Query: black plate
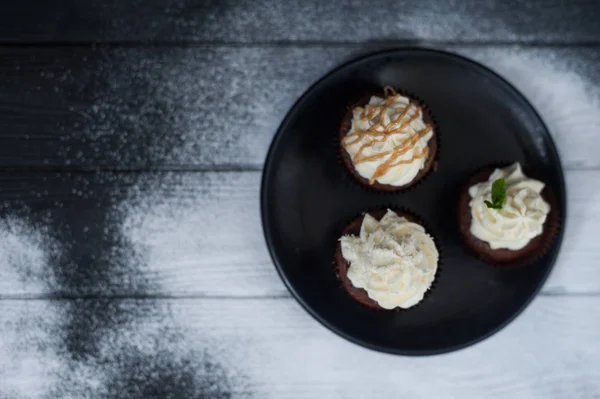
x,y
307,198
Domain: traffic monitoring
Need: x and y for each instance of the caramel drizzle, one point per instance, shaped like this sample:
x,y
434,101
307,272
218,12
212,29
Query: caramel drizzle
x,y
397,125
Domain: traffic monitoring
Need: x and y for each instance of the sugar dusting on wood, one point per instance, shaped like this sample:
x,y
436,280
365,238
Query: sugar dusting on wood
x,y
144,355
27,367
189,228
182,106
25,251
212,106
307,20
220,106
140,351
94,347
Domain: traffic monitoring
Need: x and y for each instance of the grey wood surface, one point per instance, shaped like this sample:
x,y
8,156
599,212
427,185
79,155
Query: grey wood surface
x,y
132,137
271,348
181,234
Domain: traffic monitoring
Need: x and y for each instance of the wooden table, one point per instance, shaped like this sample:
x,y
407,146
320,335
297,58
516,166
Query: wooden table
x,y
132,137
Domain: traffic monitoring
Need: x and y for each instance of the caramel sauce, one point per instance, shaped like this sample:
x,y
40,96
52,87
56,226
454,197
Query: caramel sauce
x,y
378,132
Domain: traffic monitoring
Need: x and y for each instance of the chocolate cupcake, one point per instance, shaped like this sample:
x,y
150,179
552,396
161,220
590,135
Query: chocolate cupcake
x,y
386,260
389,143
507,218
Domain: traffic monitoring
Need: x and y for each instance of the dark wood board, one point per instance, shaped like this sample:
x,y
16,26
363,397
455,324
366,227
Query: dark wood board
x,y
552,21
204,107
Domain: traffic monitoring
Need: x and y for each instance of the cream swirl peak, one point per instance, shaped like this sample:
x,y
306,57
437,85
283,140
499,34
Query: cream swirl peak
x,y
393,260
387,141
520,219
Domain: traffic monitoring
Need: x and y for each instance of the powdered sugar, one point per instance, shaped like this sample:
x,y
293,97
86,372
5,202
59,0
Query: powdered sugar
x,y
145,354
29,364
140,351
351,20
25,252
183,106
153,107
198,233
27,369
104,347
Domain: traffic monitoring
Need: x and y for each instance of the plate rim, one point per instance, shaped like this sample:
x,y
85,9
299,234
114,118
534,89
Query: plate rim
x,y
267,171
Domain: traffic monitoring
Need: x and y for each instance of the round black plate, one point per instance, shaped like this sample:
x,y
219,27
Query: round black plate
x,y
307,198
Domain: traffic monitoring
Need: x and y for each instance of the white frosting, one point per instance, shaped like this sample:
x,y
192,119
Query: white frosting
x,y
521,218
394,260
403,173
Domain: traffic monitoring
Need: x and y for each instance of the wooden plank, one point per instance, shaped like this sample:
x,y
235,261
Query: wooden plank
x,y
205,107
306,20
271,348
189,234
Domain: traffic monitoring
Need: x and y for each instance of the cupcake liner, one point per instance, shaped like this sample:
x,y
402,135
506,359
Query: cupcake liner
x,y
354,224
344,159
536,249
552,226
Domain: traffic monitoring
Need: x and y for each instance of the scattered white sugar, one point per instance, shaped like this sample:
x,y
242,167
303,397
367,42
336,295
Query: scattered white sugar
x,y
286,353
268,348
152,356
136,349
351,20
232,108
200,233
229,116
25,254
102,348
29,363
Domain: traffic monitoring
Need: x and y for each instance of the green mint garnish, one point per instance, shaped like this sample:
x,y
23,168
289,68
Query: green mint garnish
x,y
498,194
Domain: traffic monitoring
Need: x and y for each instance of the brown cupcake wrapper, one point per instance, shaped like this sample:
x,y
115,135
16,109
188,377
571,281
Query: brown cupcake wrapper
x,y
552,225
380,212
551,228
358,181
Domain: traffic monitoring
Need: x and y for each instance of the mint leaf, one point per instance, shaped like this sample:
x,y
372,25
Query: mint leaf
x,y
499,192
493,206
498,195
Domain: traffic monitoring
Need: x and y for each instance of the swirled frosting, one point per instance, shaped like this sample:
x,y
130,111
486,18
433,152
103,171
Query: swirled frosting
x,y
387,141
519,220
393,260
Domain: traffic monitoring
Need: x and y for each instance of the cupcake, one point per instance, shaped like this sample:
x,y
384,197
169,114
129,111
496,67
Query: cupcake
x,y
386,260
506,217
389,143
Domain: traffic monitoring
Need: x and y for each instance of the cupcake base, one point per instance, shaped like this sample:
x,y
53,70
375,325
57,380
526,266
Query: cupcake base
x,y
536,248
430,162
342,265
